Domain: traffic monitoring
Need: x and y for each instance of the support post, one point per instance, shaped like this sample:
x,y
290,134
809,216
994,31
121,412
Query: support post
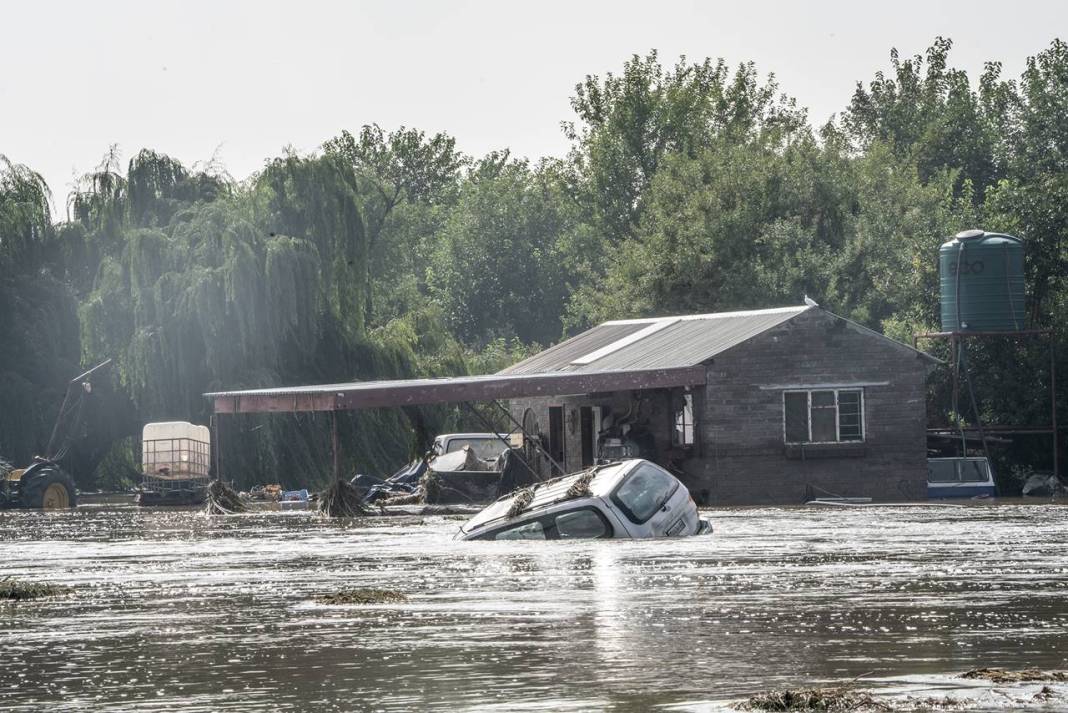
x,y
215,442
1053,398
954,348
334,439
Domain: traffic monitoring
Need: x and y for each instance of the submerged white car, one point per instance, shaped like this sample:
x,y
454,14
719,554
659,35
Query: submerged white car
x,y
632,498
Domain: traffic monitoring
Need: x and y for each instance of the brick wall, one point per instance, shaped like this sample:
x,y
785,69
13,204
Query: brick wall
x,y
741,457
744,457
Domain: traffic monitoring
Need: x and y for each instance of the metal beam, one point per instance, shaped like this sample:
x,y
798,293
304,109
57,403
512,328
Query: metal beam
x,y
418,392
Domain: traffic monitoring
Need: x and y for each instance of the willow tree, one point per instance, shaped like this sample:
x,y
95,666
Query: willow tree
x,y
38,328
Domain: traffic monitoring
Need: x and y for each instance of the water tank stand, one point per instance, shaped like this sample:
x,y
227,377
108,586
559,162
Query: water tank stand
x,y
957,338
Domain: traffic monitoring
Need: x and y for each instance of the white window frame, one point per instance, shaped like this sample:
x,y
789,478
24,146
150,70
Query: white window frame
x,y
837,416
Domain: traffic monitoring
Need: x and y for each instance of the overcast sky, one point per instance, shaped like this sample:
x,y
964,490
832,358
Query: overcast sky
x,y
249,78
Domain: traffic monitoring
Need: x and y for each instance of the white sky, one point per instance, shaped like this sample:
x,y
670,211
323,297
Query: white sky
x,y
250,78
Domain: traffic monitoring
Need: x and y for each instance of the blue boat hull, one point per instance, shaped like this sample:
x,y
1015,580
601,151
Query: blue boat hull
x,y
961,491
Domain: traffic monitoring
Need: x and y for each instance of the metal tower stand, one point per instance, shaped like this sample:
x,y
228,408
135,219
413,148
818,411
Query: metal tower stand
x,y
956,340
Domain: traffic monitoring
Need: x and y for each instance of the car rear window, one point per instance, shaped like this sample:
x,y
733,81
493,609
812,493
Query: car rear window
x,y
644,491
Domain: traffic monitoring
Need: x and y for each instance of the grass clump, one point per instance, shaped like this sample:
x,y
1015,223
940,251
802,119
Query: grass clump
x,y
1000,675
521,501
581,487
814,699
17,590
221,499
342,499
362,596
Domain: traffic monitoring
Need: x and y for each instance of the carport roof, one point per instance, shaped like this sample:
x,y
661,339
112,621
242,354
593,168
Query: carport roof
x,y
416,392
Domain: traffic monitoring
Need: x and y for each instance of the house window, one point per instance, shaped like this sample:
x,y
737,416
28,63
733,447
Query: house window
x,y
683,434
823,415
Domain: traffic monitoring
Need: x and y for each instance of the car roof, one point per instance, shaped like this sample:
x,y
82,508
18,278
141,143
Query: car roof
x,y
553,492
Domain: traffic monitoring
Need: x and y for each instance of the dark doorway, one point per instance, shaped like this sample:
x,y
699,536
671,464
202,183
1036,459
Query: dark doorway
x,y
588,436
556,434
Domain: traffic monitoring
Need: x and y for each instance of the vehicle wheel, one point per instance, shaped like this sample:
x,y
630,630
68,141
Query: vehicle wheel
x,y
49,490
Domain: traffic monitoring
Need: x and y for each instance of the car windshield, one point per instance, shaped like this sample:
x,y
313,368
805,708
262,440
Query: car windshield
x,y
484,448
644,491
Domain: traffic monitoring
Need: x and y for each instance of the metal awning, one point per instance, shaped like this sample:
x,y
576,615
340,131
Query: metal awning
x,y
417,392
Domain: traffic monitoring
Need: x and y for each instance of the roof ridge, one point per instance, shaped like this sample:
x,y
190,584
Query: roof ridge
x,y
711,315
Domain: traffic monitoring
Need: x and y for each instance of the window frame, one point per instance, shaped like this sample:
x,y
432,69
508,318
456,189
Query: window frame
x,y
548,525
837,415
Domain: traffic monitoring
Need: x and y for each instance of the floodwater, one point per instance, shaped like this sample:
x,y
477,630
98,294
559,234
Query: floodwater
x,y
175,609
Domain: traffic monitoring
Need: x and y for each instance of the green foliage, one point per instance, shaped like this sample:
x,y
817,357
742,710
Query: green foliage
x,y
389,254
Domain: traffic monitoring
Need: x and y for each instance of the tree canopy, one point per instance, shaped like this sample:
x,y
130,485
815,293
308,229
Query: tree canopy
x,y
694,187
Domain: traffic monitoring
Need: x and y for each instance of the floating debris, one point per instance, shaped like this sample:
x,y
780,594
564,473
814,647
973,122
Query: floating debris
x,y
431,487
223,500
16,590
521,501
814,699
342,499
581,487
1000,675
362,596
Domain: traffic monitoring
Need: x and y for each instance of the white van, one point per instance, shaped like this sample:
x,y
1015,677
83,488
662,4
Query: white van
x,y
629,499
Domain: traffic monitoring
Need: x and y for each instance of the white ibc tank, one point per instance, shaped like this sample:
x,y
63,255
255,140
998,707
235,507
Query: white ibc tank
x,y
175,449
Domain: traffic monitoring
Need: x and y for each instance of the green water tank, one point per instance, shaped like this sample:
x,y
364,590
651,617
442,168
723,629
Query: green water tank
x,y
982,282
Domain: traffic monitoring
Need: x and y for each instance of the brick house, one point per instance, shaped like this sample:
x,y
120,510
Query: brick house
x,y
796,403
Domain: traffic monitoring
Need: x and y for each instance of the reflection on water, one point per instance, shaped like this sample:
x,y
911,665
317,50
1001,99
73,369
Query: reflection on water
x,y
172,608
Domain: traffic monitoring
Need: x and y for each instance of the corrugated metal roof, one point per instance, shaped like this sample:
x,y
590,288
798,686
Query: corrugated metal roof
x,y
683,341
413,392
565,352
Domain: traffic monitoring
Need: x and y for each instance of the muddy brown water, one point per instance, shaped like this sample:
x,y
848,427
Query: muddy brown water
x,y
178,610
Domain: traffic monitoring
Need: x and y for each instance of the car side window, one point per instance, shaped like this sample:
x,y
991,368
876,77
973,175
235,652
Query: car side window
x,y
583,523
643,492
532,530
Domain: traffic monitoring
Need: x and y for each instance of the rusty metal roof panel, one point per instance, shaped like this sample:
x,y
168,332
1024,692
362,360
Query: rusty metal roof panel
x,y
557,358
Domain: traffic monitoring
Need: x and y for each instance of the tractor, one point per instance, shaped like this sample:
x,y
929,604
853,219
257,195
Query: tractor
x,y
44,484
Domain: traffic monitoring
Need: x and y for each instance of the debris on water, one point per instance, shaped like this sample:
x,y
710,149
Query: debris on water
x,y
521,501
17,590
1000,675
581,487
223,500
1046,694
363,596
843,698
431,487
342,499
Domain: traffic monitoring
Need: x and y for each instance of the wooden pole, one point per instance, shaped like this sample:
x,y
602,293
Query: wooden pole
x,y
337,461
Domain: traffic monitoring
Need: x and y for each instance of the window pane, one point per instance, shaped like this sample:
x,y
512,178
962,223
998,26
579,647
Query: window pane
x,y
823,425
580,523
527,531
850,422
644,491
796,405
822,398
972,471
941,471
